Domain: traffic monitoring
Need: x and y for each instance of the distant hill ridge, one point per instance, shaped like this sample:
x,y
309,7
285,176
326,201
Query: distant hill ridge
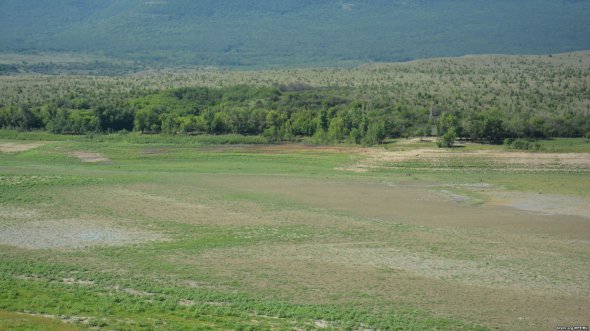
x,y
277,33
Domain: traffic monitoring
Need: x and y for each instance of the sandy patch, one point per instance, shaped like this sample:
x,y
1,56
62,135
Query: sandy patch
x,y
186,303
74,281
17,213
89,157
374,158
547,204
16,147
321,324
154,151
70,233
454,197
415,141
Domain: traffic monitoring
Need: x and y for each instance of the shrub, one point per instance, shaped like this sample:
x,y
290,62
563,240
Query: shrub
x,y
522,144
448,139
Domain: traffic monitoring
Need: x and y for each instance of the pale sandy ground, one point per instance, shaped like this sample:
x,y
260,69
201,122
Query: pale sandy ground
x,y
18,147
374,158
89,157
70,233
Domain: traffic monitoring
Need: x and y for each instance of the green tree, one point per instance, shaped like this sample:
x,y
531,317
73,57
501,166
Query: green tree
x,y
375,134
148,119
169,123
336,131
219,123
275,126
446,122
493,128
355,136
323,120
113,118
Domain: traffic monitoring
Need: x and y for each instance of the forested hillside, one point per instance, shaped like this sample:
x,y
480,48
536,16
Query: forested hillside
x,y
484,98
237,33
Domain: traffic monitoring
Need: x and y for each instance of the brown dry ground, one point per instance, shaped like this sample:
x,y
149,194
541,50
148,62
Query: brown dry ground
x,y
341,241
492,264
439,158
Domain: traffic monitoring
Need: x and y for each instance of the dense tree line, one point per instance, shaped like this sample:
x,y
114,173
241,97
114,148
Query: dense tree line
x,y
283,113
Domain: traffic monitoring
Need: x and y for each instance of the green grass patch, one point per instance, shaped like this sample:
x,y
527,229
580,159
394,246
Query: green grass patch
x,y
184,310
565,145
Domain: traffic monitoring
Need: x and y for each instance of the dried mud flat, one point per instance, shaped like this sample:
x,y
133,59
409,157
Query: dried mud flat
x,y
404,244
406,203
374,158
89,157
548,204
70,233
17,148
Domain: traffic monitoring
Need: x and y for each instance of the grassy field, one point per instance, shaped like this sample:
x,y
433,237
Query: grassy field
x,y
130,232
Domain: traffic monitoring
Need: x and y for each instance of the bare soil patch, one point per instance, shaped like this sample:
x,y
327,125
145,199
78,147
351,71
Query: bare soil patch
x,y
159,202
424,264
18,147
74,281
17,213
154,151
89,157
285,149
304,273
71,233
374,158
548,204
405,204
408,244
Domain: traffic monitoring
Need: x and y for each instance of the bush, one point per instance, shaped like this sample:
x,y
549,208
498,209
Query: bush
x,y
522,144
448,139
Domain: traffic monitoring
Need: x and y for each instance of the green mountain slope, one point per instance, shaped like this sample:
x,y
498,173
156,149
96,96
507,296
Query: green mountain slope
x,y
291,33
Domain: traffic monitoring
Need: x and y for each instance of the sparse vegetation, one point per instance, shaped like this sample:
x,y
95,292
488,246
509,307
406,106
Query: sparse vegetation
x,y
146,186
284,237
